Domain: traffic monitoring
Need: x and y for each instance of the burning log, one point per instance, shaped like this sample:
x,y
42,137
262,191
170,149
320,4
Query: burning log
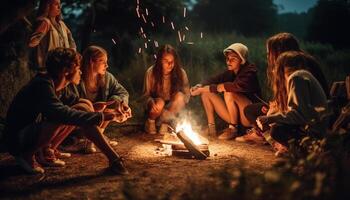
x,y
194,149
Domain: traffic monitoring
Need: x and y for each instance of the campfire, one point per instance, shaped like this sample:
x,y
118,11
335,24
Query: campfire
x,y
184,141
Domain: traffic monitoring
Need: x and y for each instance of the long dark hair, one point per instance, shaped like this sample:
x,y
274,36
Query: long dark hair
x,y
177,79
283,42
276,45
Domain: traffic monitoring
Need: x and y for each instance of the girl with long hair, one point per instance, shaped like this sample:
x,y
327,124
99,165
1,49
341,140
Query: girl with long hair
x,y
275,46
301,103
101,88
51,32
166,89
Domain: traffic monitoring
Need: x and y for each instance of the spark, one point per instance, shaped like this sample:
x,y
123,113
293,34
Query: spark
x,y
183,37
187,28
155,56
179,34
152,24
190,43
201,35
141,29
146,11
184,12
140,49
145,45
156,43
172,25
144,19
113,41
137,12
163,19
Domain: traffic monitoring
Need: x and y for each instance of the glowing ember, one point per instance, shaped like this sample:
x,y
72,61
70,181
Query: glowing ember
x,y
187,129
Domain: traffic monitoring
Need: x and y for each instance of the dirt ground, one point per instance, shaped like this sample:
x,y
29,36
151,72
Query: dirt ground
x,y
152,174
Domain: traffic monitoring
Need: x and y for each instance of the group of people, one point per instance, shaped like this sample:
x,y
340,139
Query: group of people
x,y
56,102
298,107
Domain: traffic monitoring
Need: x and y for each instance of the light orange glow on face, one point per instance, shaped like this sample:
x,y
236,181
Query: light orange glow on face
x,y
167,63
55,8
233,61
100,65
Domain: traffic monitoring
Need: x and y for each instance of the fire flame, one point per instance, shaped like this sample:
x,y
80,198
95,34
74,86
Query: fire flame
x,y
187,129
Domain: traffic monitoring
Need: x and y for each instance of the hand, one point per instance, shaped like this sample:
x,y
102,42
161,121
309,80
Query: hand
x,y
126,110
100,106
108,116
152,105
220,87
262,122
196,90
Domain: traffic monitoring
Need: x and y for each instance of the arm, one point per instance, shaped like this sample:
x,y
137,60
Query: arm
x,y
298,103
54,110
147,86
116,91
245,81
39,33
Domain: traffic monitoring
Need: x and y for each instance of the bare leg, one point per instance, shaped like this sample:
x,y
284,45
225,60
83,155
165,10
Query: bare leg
x,y
177,103
93,134
236,103
62,134
213,103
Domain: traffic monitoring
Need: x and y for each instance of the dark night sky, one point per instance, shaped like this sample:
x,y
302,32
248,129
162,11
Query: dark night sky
x,y
294,5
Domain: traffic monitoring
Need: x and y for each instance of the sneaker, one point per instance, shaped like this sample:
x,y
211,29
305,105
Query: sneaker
x,y
29,165
150,127
251,136
280,149
110,141
164,129
228,134
60,154
113,143
89,147
46,157
117,166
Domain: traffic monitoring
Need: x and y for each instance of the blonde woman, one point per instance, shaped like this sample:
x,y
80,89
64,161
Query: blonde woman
x,y
101,88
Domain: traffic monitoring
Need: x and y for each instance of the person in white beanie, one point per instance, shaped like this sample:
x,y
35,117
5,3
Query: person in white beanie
x,y
240,87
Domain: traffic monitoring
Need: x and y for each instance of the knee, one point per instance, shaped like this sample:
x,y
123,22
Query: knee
x,y
230,96
205,96
179,97
158,105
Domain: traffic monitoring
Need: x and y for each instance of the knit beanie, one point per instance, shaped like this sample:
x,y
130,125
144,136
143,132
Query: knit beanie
x,y
240,49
